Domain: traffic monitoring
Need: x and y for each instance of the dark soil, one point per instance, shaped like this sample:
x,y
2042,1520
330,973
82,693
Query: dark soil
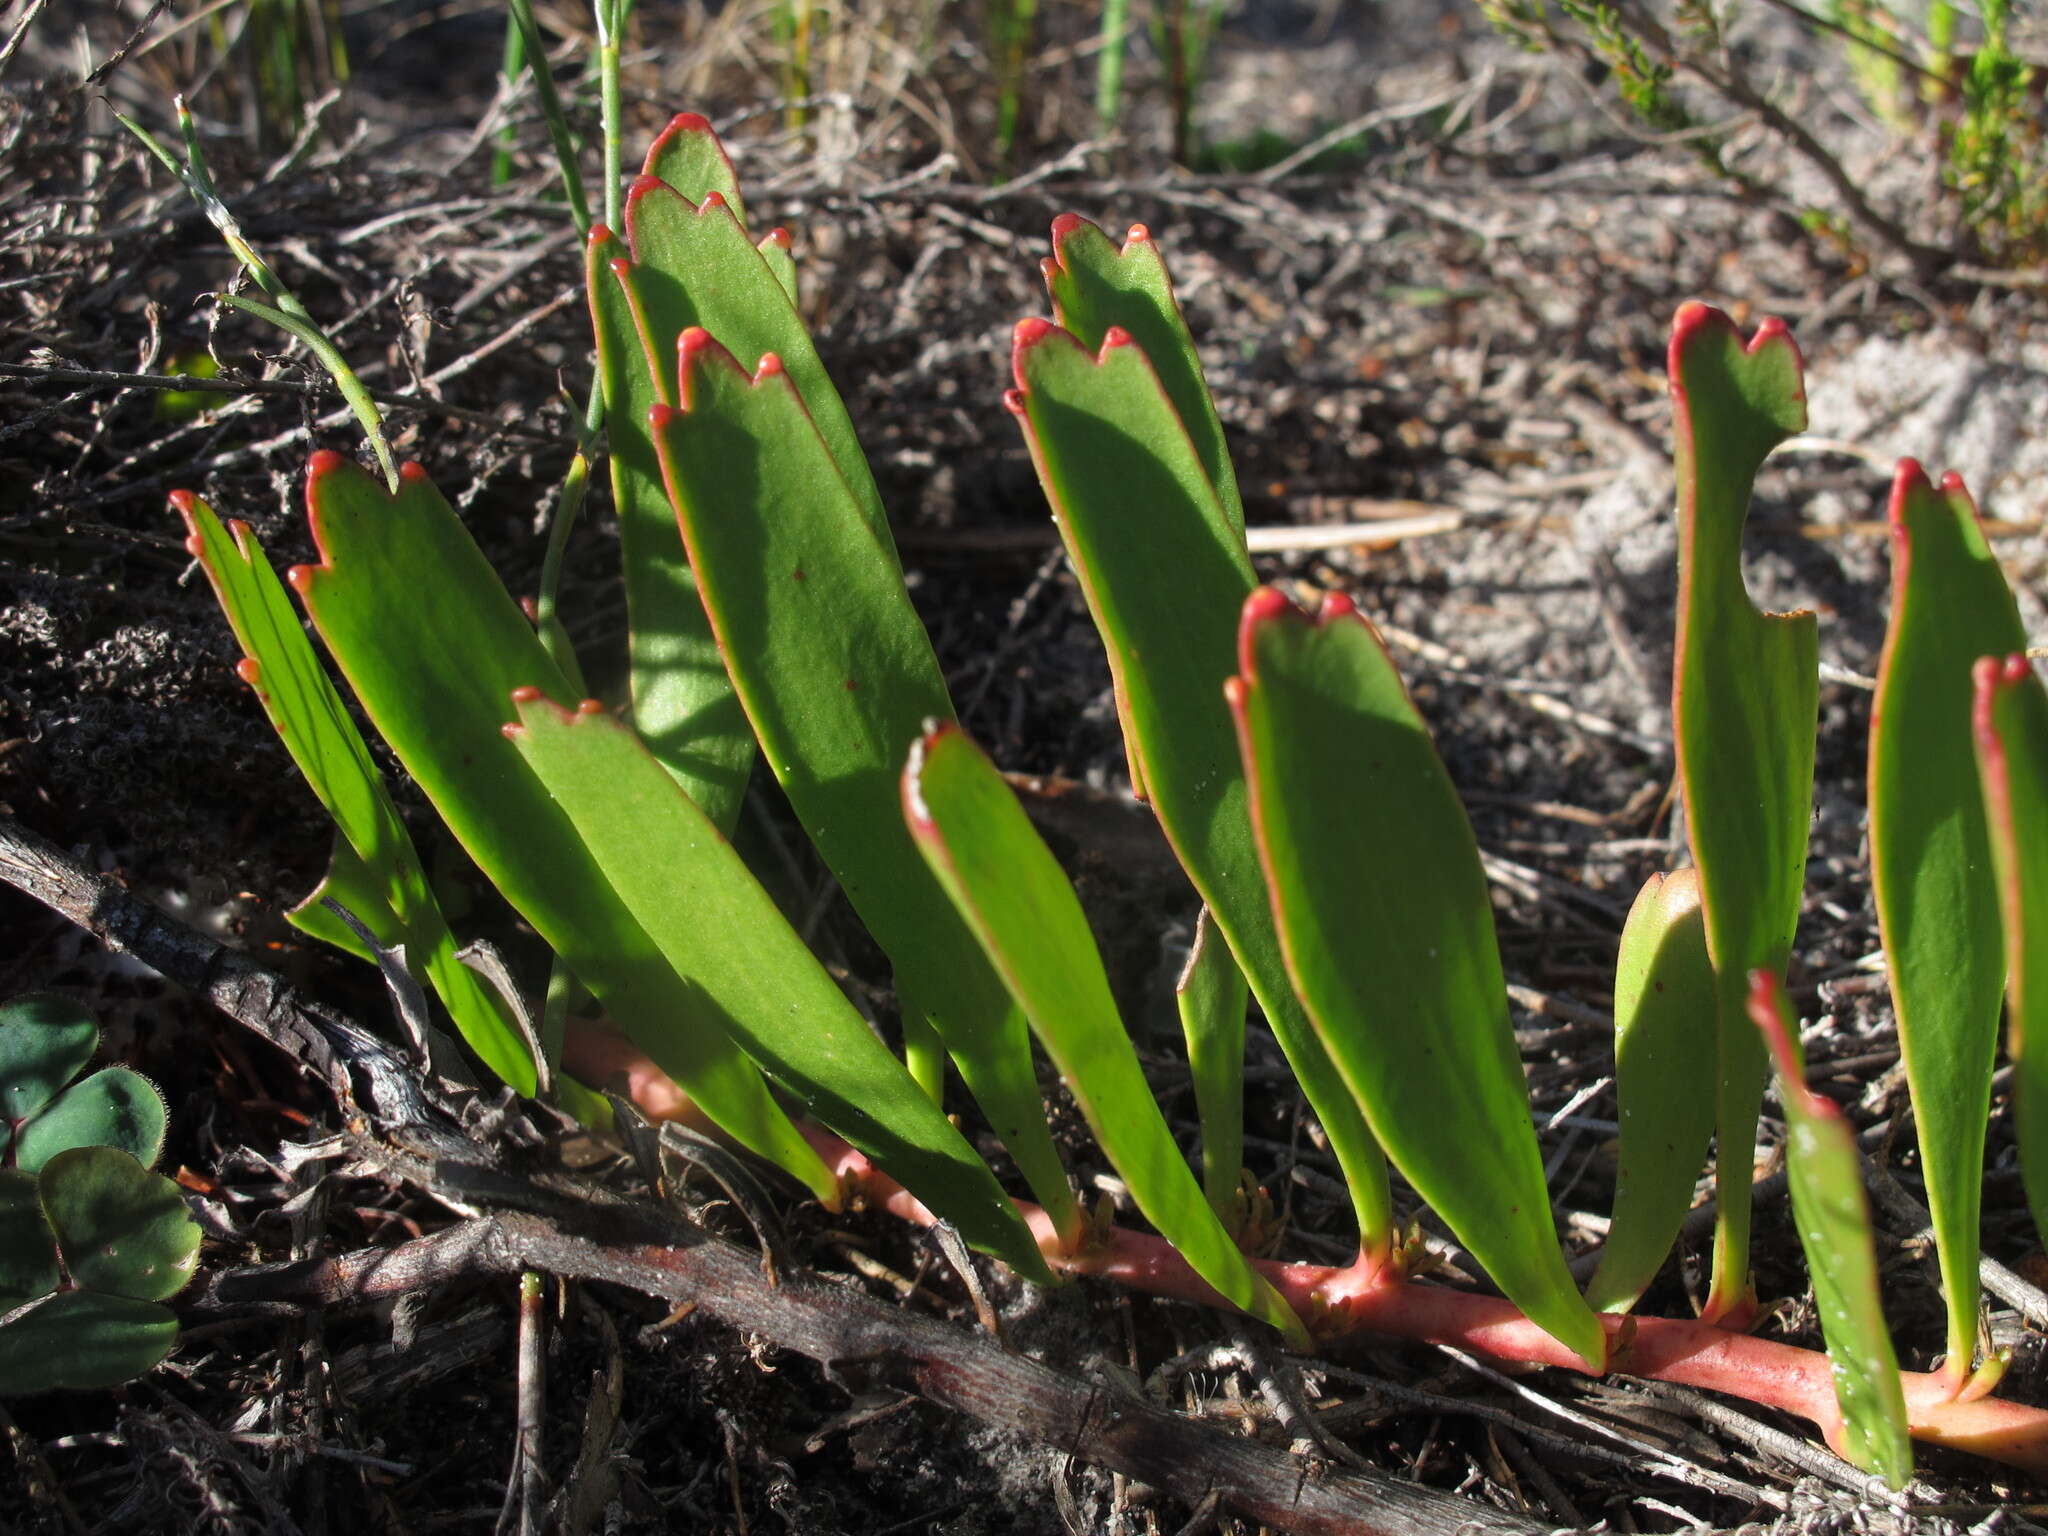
x,y
1468,313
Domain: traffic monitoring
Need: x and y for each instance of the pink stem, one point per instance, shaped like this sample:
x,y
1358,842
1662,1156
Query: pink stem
x,y
1338,1301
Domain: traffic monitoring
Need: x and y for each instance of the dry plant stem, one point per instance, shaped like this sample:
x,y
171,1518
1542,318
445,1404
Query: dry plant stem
x,y
1690,1353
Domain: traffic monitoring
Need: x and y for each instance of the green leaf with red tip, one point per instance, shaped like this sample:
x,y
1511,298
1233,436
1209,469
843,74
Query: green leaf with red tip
x,y
750,973
433,647
1388,932
1095,287
382,871
1013,894
688,156
838,677
775,250
1930,857
1825,1172
1664,1056
1745,706
1211,997
2011,730
683,704
1165,573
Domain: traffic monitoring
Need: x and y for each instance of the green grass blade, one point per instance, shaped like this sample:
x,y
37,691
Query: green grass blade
x,y
1013,894
1211,997
2011,728
1165,574
1664,1056
1930,858
687,887
1388,930
1745,707
534,55
309,717
433,647
837,676
1096,287
1825,1172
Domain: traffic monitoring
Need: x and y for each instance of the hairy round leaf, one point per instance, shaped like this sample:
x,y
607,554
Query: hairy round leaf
x,y
44,1041
83,1340
120,1228
112,1108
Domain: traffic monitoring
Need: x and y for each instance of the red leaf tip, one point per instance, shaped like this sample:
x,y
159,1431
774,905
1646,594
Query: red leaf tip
x,y
195,546
1115,336
600,233
247,670
687,122
1952,483
1336,605
1030,331
1766,1011
779,237
712,199
413,472
1266,604
324,462
1064,225
181,503
1137,234
771,367
526,694
300,578
590,707
1013,401
622,268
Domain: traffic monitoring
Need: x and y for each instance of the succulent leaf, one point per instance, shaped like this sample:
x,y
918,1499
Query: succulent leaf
x,y
384,873
837,676
1664,1052
45,1041
1930,858
1388,931
1127,485
1211,997
1015,897
751,972
120,1228
1745,706
2011,730
1825,1172
1096,288
436,677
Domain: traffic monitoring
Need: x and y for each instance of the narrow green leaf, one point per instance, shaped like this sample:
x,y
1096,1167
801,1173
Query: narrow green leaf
x,y
28,1248
358,889
1930,858
1211,996
83,1341
329,356
120,1228
688,156
1388,931
433,646
838,677
45,1041
2011,729
1664,1056
1825,1172
1015,897
1097,288
1745,707
309,717
113,1108
1165,574
751,972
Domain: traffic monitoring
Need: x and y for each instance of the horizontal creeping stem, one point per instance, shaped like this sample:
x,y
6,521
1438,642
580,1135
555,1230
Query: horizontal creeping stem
x,y
1338,1301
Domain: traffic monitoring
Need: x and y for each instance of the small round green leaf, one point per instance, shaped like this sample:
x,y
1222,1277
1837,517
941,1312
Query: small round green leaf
x,y
44,1041
119,1227
112,1108
83,1340
28,1248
